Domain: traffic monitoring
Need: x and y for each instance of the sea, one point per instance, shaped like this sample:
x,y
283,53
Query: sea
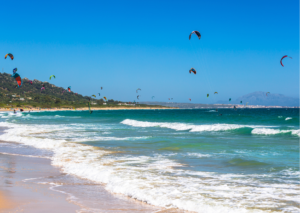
x,y
199,160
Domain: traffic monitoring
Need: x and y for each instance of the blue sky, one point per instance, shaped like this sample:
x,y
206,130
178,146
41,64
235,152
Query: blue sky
x,y
125,45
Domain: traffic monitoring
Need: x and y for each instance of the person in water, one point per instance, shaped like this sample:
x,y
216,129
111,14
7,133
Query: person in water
x,y
15,111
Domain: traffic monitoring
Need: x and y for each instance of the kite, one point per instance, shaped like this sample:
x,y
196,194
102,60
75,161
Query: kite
x,y
43,87
17,77
153,97
190,99
192,70
105,98
216,93
241,102
247,103
94,96
29,81
169,98
137,90
207,95
101,88
285,56
267,93
52,76
229,99
69,88
99,94
10,55
196,33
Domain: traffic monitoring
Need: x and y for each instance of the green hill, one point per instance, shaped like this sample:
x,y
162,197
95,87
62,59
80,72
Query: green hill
x,y
32,95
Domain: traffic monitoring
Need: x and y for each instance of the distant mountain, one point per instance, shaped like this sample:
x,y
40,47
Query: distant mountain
x,y
272,99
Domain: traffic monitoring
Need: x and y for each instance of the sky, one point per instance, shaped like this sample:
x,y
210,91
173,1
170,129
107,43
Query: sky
x,y
125,45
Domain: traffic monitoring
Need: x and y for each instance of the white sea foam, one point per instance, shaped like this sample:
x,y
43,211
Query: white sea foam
x,y
198,155
288,118
264,131
184,126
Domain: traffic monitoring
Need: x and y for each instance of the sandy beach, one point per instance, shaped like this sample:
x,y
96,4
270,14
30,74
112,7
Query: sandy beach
x,y
31,185
19,194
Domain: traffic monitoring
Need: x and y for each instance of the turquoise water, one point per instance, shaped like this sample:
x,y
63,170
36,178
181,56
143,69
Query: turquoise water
x,y
241,161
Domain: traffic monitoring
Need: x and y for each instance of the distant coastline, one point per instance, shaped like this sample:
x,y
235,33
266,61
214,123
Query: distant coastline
x,y
84,108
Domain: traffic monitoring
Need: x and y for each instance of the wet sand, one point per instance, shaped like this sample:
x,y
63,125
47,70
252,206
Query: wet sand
x,y
32,185
19,195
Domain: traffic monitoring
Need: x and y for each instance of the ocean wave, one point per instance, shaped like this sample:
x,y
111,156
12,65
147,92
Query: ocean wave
x,y
264,131
198,155
50,136
288,118
190,127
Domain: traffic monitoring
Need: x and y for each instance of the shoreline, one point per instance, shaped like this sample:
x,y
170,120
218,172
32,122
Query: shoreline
x,y
31,184
19,194
84,109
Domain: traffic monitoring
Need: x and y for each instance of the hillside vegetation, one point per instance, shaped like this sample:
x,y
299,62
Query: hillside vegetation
x,y
31,95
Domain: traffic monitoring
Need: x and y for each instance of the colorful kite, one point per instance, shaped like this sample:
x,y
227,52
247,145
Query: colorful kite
x,y
193,70
10,55
17,77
